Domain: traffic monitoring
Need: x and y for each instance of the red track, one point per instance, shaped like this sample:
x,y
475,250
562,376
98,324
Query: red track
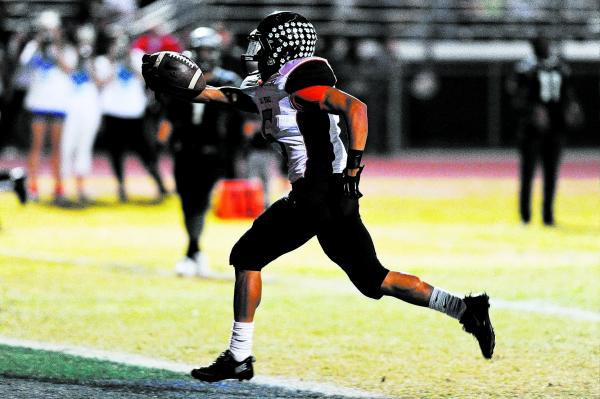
x,y
577,165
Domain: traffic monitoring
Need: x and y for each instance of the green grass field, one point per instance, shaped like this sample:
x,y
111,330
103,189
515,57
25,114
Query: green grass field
x,y
102,277
46,365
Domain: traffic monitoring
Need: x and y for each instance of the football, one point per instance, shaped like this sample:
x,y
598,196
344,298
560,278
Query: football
x,y
173,73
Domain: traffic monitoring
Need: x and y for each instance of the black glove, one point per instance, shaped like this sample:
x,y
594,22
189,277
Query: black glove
x,y
350,184
172,75
150,73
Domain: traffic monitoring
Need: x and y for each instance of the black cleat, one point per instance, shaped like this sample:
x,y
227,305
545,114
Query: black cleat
x,y
476,321
226,368
19,179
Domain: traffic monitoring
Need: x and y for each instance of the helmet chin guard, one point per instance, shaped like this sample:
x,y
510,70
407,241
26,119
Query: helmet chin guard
x,y
280,37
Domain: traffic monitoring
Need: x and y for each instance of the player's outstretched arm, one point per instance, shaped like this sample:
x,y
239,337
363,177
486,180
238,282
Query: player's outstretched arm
x,y
178,76
228,95
211,93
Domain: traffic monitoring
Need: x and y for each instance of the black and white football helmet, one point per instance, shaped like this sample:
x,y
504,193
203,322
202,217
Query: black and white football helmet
x,y
280,37
205,46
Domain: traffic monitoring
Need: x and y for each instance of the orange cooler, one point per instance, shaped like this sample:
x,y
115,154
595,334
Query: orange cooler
x,y
239,199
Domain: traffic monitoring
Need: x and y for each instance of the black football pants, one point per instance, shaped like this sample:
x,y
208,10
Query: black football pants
x,y
335,221
546,150
195,176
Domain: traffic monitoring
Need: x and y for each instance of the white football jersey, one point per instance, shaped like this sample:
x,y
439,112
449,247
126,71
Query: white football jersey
x,y
310,141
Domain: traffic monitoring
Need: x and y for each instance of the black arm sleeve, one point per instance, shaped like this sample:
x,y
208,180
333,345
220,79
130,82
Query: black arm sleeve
x,y
311,73
239,99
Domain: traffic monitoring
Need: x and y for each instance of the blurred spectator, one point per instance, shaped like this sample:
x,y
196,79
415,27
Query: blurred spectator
x,y
83,116
123,98
52,60
155,39
204,142
542,93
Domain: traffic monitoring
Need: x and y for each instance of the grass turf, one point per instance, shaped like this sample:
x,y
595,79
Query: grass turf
x,y
101,277
46,365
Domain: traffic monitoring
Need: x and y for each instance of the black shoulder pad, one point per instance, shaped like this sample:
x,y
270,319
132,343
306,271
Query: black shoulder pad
x,y
310,73
239,99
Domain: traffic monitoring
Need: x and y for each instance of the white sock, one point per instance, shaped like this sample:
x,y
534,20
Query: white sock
x,y
240,344
447,303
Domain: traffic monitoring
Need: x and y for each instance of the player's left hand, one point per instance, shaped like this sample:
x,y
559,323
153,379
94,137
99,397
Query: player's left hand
x,y
150,72
350,184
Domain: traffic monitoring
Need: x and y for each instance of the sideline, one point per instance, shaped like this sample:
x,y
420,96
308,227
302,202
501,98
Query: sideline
x,y
147,362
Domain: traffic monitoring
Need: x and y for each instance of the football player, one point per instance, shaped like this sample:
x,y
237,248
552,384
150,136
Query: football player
x,y
295,95
543,96
201,159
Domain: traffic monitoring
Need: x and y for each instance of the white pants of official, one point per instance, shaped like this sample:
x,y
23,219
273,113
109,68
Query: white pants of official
x,y
79,133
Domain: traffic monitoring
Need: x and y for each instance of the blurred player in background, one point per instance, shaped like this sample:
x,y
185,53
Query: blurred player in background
x,y
295,96
14,180
543,96
204,142
83,116
52,60
123,98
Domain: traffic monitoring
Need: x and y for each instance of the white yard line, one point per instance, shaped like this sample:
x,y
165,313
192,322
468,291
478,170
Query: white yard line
x,y
142,361
543,307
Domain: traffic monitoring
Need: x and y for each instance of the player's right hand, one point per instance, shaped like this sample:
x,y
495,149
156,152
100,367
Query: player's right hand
x,y
350,184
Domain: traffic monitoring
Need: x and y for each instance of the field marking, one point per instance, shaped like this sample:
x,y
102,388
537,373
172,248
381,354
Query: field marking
x,y
83,261
147,362
531,306
543,307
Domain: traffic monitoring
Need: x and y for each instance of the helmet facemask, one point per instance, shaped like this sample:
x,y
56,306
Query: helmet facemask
x,y
251,59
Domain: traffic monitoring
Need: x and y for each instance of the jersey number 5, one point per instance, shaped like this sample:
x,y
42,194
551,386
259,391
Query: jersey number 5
x,y
267,122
